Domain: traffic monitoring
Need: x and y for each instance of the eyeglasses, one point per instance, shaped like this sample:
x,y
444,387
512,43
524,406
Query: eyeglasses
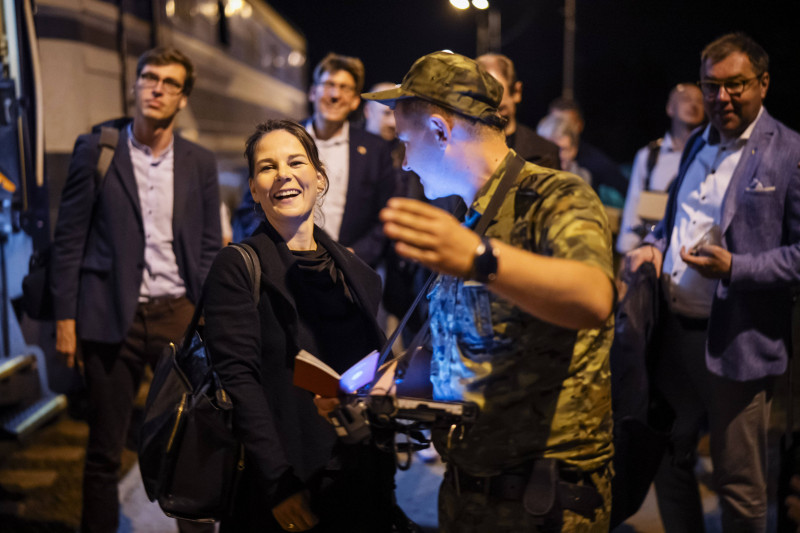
x,y
149,80
732,87
344,89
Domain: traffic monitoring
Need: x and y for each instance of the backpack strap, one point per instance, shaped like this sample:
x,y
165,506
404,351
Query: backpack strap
x,y
654,148
109,137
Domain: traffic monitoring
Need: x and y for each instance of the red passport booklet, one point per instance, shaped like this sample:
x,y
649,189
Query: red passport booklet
x,y
313,375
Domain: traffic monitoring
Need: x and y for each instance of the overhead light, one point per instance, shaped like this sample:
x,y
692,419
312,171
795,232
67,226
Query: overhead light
x,y
480,4
460,4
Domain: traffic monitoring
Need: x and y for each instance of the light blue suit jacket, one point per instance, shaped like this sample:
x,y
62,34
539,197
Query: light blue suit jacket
x,y
749,330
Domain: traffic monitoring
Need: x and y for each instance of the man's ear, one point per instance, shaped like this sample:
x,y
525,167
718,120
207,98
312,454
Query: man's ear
x,y
183,101
764,84
517,89
441,130
355,103
312,96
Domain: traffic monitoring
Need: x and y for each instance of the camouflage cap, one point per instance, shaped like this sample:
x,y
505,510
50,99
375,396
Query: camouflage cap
x,y
452,81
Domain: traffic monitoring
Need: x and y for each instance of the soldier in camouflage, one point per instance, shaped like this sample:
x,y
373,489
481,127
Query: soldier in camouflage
x,y
521,320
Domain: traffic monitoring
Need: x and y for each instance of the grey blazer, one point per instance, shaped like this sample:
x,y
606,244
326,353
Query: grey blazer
x,y
749,329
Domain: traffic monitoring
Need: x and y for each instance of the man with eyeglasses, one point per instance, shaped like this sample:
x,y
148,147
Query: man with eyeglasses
x,y
728,251
359,163
130,254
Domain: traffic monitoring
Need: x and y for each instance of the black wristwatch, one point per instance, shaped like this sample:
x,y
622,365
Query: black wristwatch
x,y
484,266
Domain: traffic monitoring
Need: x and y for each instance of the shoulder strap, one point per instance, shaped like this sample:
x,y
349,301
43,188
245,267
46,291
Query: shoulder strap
x,y
253,265
109,137
512,171
654,148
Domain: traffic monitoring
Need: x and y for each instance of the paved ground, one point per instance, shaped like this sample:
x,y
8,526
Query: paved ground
x,y
416,493
40,488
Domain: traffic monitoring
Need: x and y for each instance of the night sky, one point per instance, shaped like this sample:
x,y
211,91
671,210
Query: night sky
x,y
629,53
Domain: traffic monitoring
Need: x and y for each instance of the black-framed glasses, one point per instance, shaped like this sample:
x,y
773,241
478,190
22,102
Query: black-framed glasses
x,y
344,89
732,87
148,80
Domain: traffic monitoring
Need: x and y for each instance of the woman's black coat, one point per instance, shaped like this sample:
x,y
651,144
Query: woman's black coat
x,y
285,439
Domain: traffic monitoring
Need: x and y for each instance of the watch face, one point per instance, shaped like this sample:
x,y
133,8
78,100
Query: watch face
x,y
484,269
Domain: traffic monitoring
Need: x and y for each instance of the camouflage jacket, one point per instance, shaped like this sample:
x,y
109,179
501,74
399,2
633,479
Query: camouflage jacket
x,y
544,391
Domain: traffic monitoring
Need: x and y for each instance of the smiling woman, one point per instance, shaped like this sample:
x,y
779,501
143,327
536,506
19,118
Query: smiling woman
x,y
287,179
316,296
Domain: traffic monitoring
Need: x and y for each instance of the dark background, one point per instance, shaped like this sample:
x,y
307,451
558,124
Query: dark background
x,y
629,53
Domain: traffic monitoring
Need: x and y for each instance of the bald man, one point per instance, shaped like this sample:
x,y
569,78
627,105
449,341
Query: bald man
x,y
656,164
524,140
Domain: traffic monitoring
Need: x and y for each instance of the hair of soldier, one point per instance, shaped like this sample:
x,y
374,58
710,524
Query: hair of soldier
x,y
566,104
416,109
334,62
293,128
731,43
167,56
554,127
503,64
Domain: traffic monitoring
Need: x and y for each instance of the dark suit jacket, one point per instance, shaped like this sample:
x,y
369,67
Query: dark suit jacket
x,y
749,328
534,148
253,350
372,181
98,251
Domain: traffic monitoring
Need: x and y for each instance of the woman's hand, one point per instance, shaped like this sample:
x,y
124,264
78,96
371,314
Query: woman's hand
x,y
644,254
325,406
294,513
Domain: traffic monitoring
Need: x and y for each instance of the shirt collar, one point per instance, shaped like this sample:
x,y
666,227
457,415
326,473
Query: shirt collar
x,y
340,137
146,149
666,143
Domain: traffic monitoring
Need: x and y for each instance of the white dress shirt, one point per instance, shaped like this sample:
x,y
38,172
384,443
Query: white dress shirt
x,y
335,155
155,184
664,172
700,201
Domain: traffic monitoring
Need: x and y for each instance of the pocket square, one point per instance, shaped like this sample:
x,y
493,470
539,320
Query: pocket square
x,y
757,186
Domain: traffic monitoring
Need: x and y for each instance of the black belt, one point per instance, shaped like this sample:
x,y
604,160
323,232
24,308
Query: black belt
x,y
160,300
574,491
691,324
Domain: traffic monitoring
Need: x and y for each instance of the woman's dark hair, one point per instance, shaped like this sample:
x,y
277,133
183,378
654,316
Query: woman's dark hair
x,y
295,129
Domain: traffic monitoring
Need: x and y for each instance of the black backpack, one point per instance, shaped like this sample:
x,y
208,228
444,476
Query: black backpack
x,y
36,297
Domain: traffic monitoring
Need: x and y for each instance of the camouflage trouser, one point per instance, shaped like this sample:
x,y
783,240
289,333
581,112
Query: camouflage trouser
x,y
472,512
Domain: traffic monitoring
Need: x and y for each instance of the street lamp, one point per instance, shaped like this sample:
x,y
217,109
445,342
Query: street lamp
x,y
488,38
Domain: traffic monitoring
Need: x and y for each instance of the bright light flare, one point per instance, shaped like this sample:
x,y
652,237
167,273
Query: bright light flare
x,y
460,4
296,58
480,4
